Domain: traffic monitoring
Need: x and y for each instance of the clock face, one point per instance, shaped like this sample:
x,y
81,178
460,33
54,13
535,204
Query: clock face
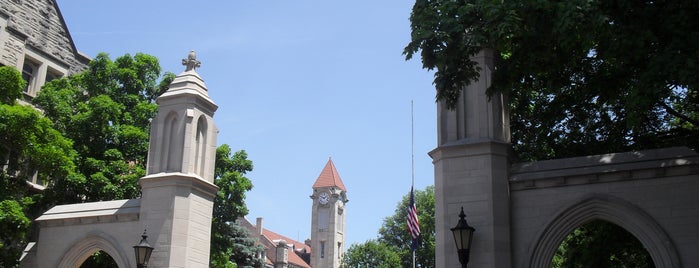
x,y
324,198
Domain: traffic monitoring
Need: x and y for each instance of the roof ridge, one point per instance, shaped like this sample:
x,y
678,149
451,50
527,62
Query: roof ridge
x,y
283,237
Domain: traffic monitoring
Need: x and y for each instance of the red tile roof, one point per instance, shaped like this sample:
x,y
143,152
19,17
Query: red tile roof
x,y
329,177
297,246
271,237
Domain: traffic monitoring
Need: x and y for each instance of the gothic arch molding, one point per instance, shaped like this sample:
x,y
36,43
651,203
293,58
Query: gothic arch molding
x,y
611,209
201,136
93,242
172,139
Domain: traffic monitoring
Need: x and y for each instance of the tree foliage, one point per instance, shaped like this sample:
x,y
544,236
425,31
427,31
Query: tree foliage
x,y
106,110
31,144
29,147
394,230
393,246
583,77
14,224
28,141
241,250
230,243
601,244
11,85
371,253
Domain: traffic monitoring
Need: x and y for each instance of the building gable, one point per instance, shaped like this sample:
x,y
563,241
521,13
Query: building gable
x,y
40,27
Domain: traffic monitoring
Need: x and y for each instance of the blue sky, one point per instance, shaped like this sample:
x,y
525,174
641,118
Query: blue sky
x,y
296,82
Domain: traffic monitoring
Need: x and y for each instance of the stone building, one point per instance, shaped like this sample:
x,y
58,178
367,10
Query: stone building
x,y
34,38
279,250
327,244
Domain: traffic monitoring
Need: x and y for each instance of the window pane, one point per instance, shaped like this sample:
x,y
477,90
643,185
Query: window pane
x,y
27,74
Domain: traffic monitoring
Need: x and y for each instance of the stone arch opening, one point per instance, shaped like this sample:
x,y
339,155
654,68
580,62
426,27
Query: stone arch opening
x,y
99,259
600,243
85,247
611,209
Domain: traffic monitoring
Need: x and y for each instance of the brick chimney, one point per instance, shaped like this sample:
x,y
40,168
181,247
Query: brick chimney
x,y
259,226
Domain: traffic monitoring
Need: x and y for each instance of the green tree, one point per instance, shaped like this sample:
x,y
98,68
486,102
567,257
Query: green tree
x,y
583,77
371,253
11,84
241,251
14,224
394,230
601,244
230,243
106,111
29,146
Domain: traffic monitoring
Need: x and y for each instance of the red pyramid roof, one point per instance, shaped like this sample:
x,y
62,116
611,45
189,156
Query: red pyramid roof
x,y
329,177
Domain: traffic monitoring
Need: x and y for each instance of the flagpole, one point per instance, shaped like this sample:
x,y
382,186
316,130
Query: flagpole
x,y
412,156
412,145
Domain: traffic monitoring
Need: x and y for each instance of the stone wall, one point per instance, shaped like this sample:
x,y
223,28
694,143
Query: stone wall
x,y
652,194
11,44
71,233
39,25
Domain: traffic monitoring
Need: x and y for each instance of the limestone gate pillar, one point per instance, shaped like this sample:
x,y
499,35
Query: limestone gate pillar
x,y
178,189
177,201
471,170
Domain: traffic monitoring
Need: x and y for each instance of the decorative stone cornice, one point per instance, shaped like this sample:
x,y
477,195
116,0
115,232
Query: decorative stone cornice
x,y
470,147
167,179
637,165
94,212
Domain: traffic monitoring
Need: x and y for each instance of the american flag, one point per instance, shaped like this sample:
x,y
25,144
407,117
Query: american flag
x,y
413,222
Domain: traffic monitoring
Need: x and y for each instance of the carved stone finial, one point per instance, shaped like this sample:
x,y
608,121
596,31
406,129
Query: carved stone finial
x,y
191,62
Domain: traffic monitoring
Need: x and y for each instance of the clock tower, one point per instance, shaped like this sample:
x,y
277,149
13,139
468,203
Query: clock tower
x,y
328,218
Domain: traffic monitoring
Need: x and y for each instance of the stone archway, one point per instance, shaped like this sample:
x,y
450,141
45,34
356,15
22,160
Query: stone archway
x,y
614,210
85,247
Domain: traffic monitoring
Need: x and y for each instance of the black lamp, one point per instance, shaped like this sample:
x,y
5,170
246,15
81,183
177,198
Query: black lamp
x,y
143,251
462,236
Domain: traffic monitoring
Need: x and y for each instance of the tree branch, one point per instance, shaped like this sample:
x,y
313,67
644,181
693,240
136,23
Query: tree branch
x,y
671,111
